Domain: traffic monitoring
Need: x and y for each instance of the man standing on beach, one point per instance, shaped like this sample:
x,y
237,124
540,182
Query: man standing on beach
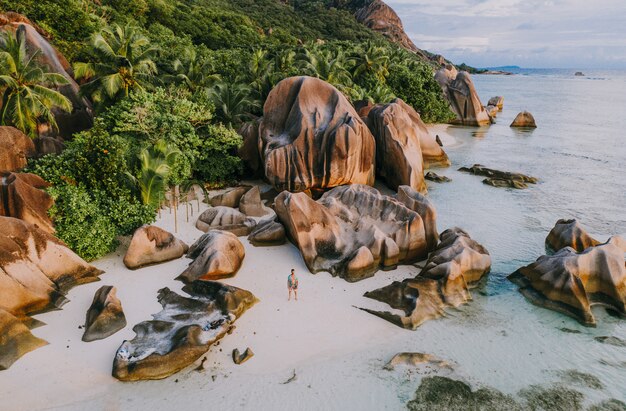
x,y
292,284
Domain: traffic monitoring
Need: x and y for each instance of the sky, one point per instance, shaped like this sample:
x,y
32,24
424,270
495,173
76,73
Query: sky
x,y
527,33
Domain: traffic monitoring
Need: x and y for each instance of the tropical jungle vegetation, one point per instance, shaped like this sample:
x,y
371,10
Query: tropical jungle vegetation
x,y
171,81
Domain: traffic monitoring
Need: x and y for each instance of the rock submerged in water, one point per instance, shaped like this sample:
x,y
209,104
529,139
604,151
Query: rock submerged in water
x,y
570,282
524,120
462,96
352,231
499,178
22,196
569,233
182,332
268,232
497,101
312,138
217,254
105,316
432,176
457,264
225,219
153,245
15,149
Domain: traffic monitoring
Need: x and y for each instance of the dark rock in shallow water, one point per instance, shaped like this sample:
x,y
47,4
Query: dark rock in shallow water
x,y
575,377
182,332
617,342
217,254
268,232
609,405
457,263
570,282
105,317
498,178
240,358
436,178
569,233
524,120
555,397
441,393
15,340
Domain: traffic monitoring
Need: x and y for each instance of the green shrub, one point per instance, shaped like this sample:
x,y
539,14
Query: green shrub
x,y
218,161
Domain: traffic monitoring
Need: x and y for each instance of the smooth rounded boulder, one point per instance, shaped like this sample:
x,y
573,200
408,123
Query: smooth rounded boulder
x,y
230,197
225,219
216,255
105,316
268,232
311,138
251,203
153,245
22,196
524,120
15,149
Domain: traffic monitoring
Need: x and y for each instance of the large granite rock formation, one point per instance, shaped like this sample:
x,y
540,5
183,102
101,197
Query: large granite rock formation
x,y
457,264
81,116
249,150
229,198
36,270
419,203
312,138
225,219
379,17
499,178
105,316
268,232
251,203
352,231
15,340
461,93
569,233
571,282
152,245
22,196
15,148
524,120
496,101
216,255
182,332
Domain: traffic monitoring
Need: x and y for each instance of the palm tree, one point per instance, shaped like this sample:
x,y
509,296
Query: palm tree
x,y
326,65
373,61
233,102
122,62
27,100
155,164
192,72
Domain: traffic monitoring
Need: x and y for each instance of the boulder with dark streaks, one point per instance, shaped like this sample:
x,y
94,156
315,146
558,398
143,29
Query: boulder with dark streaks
x,y
569,233
105,316
15,340
268,232
225,219
217,254
22,196
461,94
152,245
15,149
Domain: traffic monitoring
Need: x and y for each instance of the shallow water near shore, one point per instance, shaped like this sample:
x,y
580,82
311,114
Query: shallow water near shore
x,y
498,340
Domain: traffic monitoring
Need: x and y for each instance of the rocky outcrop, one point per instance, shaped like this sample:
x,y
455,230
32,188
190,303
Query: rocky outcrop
x,y
492,110
229,198
36,269
421,205
105,316
45,145
251,203
81,117
524,120
462,96
499,178
216,255
15,340
379,17
312,138
15,149
152,245
398,152
268,232
22,196
225,219
497,101
569,233
240,358
182,332
571,282
352,231
457,264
